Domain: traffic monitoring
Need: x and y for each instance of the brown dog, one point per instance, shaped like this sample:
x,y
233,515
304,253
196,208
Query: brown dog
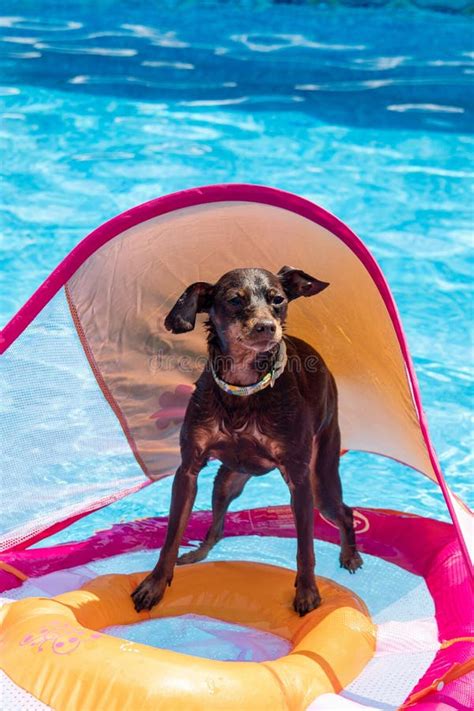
x,y
264,400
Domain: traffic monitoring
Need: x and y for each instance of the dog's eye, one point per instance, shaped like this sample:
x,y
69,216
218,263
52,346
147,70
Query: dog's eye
x,y
277,300
235,301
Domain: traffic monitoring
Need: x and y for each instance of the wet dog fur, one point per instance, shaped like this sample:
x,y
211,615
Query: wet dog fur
x,y
292,426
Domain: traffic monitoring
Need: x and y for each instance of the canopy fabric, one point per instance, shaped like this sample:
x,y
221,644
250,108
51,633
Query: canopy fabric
x,y
121,295
125,277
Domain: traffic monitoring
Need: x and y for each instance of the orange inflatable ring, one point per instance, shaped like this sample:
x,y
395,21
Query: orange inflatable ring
x,y
52,647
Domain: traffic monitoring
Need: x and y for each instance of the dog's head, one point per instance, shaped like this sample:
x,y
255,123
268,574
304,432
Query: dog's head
x,y
247,307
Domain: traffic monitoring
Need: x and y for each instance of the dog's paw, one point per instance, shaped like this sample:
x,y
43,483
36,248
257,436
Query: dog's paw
x,y
188,558
307,598
149,592
351,561
193,556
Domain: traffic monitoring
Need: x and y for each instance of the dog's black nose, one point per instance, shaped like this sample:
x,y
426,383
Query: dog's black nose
x,y
265,328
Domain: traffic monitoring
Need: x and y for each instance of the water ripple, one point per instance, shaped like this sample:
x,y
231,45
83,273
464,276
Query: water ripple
x,y
39,24
215,102
161,39
275,42
103,51
9,90
173,65
19,40
381,63
25,55
437,108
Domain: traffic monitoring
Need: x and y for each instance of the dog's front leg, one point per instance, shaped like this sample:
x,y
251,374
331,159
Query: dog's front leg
x,y
152,588
307,596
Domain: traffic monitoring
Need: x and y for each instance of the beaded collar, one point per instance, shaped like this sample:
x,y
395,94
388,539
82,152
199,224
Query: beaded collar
x,y
267,380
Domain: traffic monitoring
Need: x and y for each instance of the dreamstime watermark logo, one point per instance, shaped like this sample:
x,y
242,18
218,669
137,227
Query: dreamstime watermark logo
x,y
183,363
187,363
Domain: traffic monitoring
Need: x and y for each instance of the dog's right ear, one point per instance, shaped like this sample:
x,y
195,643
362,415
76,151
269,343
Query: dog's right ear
x,y
196,299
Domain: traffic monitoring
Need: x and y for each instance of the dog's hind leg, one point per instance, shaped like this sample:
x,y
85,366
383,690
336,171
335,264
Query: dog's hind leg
x,y
228,485
328,496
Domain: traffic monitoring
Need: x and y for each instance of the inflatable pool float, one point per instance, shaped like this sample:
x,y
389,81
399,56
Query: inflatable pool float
x,y
97,391
256,595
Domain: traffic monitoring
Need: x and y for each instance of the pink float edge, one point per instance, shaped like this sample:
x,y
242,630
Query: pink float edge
x,y
422,546
240,193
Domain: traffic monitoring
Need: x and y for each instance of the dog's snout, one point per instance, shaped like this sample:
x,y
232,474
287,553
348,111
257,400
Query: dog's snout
x,y
265,328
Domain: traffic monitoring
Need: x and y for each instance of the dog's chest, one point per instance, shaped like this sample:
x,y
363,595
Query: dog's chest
x,y
246,449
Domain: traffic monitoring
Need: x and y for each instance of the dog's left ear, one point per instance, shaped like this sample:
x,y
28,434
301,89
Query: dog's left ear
x,y
296,283
196,299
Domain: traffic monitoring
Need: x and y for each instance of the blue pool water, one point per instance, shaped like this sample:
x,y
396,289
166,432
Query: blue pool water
x,y
368,112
